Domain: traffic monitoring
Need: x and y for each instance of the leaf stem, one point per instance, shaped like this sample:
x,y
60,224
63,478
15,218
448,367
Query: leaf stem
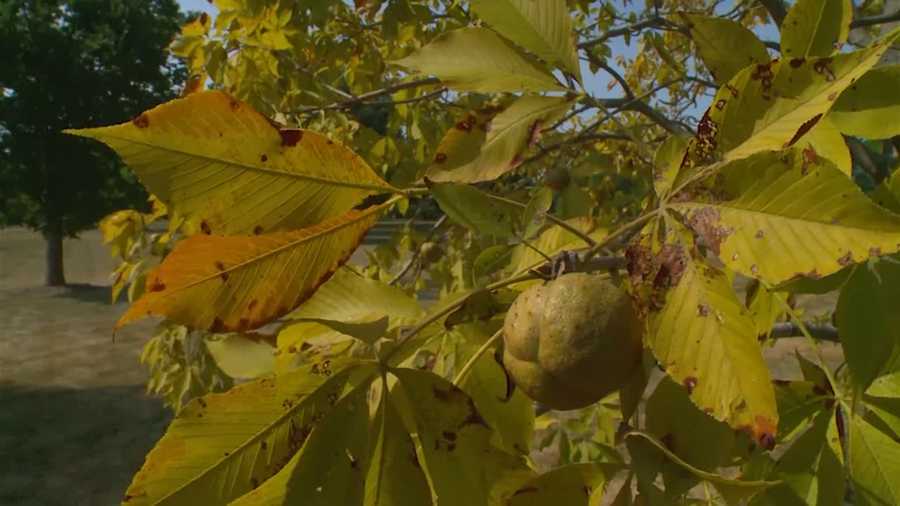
x,y
474,358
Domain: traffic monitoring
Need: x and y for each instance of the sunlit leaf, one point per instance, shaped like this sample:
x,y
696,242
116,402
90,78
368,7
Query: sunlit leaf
x,y
214,159
874,465
666,163
703,336
544,28
725,46
510,133
222,446
241,357
770,106
462,143
826,141
477,59
787,215
242,282
815,28
870,107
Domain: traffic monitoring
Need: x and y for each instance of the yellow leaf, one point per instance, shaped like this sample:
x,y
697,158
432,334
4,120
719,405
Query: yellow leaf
x,y
826,141
222,446
816,27
790,214
242,282
215,160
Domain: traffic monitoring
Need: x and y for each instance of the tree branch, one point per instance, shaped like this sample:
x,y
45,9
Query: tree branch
x,y
875,20
654,22
776,9
819,331
367,97
412,260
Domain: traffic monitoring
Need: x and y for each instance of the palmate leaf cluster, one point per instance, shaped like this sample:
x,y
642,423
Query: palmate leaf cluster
x,y
366,394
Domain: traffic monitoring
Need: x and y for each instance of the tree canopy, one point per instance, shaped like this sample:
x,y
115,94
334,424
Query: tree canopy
x,y
75,63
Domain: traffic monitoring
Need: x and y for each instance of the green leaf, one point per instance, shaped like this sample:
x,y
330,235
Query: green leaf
x,y
486,383
453,440
394,477
554,240
811,469
874,465
703,336
349,297
475,210
826,141
868,320
491,260
573,484
815,28
510,134
222,446
544,28
769,106
214,159
477,59
694,436
775,199
798,403
667,162
534,216
725,46
870,107
330,467
765,308
886,386
732,490
241,357
462,143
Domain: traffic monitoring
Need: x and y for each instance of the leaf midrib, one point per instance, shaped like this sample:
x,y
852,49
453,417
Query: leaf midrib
x,y
247,167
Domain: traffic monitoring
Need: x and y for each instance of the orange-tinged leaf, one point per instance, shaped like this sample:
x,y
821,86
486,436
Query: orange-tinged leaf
x,y
215,160
242,282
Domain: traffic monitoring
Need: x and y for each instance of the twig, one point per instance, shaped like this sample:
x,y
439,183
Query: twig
x,y
876,20
474,358
351,100
821,332
418,251
584,237
654,22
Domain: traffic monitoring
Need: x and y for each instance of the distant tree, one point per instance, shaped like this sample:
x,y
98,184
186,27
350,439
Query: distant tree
x,y
72,63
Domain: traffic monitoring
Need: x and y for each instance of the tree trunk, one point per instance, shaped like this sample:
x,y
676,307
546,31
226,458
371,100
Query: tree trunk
x,y
55,273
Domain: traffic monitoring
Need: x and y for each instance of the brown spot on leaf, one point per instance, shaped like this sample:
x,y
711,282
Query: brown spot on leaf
x,y
156,285
252,305
142,121
234,104
763,74
720,104
690,383
759,234
534,132
290,136
846,259
257,230
264,158
796,62
805,127
832,96
221,268
705,222
466,124
449,435
205,228
217,325
823,66
440,158
810,157
731,89
526,490
702,310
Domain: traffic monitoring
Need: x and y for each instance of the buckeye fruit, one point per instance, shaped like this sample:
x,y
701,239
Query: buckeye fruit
x,y
572,341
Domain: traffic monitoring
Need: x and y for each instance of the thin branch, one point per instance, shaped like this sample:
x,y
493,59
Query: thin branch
x,y
876,20
821,332
581,139
654,22
418,252
776,9
581,235
351,100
